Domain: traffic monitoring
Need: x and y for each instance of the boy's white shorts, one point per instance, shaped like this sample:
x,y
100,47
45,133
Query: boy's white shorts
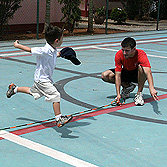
x,y
46,89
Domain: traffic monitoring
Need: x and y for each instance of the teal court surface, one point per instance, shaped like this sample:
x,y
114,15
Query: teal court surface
x,y
110,136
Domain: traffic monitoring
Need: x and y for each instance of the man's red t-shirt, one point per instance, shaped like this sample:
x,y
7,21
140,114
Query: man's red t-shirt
x,y
131,63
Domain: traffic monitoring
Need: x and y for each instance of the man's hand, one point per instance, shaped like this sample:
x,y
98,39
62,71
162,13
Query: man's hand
x,y
153,92
118,98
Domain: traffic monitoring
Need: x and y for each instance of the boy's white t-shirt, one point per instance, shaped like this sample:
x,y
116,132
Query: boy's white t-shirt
x,y
46,61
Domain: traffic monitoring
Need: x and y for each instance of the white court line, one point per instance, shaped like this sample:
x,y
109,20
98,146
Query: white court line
x,y
157,56
117,44
163,57
45,150
97,46
115,50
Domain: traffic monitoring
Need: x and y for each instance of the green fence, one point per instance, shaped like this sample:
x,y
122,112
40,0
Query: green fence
x,y
37,18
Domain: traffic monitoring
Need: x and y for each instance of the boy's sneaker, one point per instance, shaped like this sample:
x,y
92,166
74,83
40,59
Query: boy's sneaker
x,y
63,120
126,91
139,101
10,91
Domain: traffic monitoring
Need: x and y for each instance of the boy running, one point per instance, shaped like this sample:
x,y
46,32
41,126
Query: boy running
x,y
43,83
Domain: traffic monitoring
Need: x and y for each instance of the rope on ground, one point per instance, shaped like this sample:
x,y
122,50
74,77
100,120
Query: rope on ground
x,y
113,103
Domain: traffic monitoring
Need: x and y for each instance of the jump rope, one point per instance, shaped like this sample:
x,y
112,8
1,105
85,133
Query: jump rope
x,y
113,103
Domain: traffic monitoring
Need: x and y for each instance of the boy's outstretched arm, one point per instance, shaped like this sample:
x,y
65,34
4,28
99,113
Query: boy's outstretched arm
x,y
22,47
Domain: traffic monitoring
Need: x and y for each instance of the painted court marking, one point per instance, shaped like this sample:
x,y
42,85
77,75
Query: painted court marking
x,y
91,114
91,46
57,154
52,152
45,150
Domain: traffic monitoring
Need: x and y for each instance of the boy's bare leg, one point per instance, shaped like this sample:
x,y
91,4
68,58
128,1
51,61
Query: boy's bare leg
x,y
56,108
23,90
61,120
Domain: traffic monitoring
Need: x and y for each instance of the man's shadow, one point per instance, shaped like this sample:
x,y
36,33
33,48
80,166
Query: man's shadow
x,y
154,105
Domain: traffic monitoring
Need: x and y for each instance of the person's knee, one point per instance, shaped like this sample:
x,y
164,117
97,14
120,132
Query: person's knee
x,y
108,76
104,76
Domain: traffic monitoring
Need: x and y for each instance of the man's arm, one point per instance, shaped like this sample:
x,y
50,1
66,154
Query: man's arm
x,y
118,84
22,47
153,92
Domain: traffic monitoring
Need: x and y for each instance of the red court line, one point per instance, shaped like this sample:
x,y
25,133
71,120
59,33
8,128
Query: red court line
x,y
118,42
1,57
5,57
81,117
161,43
94,44
11,52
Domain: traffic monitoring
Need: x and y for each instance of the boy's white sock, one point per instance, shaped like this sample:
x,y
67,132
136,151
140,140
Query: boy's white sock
x,y
58,116
15,90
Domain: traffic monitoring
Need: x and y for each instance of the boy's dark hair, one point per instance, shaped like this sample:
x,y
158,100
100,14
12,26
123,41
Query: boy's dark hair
x,y
52,33
128,42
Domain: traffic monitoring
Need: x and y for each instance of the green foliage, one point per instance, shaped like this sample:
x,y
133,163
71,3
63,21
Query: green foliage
x,y
7,10
118,15
100,11
163,11
132,8
100,15
72,13
139,9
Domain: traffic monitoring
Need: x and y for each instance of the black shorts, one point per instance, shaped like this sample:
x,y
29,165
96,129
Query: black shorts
x,y
128,76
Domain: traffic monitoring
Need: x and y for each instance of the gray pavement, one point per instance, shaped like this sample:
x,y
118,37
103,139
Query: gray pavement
x,y
131,25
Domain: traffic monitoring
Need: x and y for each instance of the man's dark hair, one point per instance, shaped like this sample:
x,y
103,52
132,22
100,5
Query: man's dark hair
x,y
52,33
128,42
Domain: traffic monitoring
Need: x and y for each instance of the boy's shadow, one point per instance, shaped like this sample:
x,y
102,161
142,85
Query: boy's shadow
x,y
64,131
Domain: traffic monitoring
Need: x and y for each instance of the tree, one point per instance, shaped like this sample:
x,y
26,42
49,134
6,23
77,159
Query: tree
x,y
163,11
72,13
47,14
7,10
141,8
137,8
90,17
131,7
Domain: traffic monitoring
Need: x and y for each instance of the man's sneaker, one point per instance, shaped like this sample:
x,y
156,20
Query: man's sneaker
x,y
63,120
126,91
10,91
139,101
